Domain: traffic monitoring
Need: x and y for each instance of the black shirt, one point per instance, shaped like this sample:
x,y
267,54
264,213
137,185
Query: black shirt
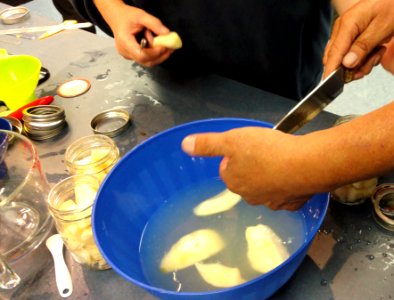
x,y
275,45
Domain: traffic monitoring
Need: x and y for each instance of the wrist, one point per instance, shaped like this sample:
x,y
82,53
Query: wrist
x,y
322,163
110,10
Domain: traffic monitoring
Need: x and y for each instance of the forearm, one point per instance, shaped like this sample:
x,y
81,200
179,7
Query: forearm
x,y
360,149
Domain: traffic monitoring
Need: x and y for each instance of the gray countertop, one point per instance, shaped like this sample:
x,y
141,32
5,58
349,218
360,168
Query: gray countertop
x,y
350,258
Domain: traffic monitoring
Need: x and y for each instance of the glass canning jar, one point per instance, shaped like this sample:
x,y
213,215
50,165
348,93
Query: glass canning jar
x,y
70,203
92,155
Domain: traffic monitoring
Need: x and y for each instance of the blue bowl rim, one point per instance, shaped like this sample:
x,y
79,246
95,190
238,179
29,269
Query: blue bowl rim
x,y
4,121
140,147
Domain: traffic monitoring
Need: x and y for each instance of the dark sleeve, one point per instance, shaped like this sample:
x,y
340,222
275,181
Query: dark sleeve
x,y
89,11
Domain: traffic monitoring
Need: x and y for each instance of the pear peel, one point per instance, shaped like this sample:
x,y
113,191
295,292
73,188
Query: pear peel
x,y
219,203
265,248
190,249
170,40
219,275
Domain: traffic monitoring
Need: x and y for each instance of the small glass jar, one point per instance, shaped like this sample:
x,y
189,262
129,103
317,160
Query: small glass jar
x,y
92,155
70,204
357,192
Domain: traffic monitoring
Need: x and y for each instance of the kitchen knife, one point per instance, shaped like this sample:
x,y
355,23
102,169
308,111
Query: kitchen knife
x,y
309,107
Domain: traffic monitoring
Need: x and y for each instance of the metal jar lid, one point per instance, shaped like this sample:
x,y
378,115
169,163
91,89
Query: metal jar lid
x,y
43,121
383,204
111,122
14,15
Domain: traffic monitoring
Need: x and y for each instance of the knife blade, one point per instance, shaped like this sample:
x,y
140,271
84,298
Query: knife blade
x,y
309,107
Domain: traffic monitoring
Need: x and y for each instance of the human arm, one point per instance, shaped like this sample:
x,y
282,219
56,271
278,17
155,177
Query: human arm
x,y
128,21
282,171
358,37
341,6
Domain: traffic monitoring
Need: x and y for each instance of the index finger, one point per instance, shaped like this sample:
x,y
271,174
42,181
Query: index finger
x,y
340,42
153,24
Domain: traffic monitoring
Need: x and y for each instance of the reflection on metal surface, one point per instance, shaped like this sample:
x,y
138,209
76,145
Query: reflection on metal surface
x,y
313,103
44,121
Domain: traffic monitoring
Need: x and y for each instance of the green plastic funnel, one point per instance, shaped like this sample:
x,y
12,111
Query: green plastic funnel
x,y
19,75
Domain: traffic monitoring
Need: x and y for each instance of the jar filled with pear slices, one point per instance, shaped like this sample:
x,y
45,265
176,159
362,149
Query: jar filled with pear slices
x,y
92,155
70,204
357,192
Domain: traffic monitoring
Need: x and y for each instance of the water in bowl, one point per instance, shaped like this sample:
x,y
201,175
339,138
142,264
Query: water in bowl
x,y
175,219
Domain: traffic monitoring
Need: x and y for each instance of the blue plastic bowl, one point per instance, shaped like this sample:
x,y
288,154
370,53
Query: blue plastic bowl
x,y
151,173
4,125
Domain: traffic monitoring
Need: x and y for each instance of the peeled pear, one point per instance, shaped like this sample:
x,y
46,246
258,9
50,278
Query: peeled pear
x,y
265,248
84,194
217,204
170,40
220,275
68,205
192,248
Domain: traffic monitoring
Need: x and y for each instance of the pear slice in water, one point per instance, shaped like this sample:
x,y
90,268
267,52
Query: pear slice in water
x,y
221,202
190,249
265,249
220,275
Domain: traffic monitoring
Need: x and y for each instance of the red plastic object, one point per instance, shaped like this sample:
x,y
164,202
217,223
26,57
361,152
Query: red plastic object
x,y
40,101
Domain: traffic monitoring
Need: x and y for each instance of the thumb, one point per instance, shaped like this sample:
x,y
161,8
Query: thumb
x,y
205,144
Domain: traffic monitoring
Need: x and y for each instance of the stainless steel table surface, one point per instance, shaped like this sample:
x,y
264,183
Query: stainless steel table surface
x,y
350,258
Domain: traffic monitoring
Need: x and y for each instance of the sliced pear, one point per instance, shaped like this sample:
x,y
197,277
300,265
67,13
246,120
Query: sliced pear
x,y
68,205
84,194
192,248
217,204
220,275
170,40
265,248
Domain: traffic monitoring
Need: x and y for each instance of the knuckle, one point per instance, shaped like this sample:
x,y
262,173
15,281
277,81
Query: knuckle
x,y
362,45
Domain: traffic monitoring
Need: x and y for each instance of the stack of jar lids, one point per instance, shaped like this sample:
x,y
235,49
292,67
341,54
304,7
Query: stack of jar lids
x,y
44,121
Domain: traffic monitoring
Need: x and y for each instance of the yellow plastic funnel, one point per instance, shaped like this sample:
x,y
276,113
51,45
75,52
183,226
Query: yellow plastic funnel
x,y
19,75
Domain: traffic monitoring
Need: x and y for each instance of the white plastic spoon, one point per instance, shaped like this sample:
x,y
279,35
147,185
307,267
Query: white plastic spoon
x,y
63,277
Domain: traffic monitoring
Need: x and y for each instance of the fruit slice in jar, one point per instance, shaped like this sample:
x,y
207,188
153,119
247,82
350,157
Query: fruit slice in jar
x,y
265,249
219,275
68,205
84,194
217,204
190,249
